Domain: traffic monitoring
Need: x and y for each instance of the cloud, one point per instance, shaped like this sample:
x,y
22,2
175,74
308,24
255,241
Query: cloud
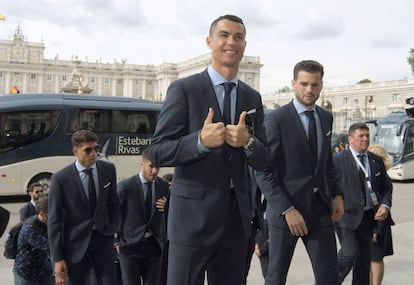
x,y
321,24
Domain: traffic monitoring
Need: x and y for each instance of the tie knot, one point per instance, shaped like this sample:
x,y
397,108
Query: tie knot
x,y
88,171
309,113
228,86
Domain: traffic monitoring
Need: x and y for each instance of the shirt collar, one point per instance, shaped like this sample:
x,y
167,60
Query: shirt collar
x,y
81,168
355,153
301,108
217,78
142,179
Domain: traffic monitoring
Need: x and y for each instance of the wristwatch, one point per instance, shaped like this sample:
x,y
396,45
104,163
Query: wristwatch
x,y
250,144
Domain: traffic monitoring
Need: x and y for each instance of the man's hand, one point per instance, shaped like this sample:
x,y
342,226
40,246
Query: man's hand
x,y
61,273
296,223
212,134
160,204
381,214
257,250
337,208
237,135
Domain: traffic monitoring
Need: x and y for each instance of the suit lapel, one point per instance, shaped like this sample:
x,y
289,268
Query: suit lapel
x,y
299,126
79,187
208,94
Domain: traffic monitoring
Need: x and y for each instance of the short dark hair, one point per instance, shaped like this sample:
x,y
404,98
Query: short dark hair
x,y
168,177
357,126
83,136
146,154
33,185
232,18
42,204
310,66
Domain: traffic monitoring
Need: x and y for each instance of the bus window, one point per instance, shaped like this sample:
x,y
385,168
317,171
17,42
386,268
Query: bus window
x,y
409,141
22,128
94,120
133,122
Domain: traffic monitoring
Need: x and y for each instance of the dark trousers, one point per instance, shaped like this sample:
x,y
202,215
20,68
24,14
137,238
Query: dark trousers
x,y
355,250
320,244
98,265
224,261
141,262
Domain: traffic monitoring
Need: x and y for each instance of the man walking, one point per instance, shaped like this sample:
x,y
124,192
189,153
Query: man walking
x,y
84,216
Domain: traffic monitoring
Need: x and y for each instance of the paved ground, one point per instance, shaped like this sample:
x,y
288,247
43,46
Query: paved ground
x,y
399,267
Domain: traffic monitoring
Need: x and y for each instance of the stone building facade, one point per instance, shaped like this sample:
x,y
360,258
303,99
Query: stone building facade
x,y
22,64
355,103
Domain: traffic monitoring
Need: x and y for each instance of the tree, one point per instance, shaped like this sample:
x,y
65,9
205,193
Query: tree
x,y
411,60
366,80
284,89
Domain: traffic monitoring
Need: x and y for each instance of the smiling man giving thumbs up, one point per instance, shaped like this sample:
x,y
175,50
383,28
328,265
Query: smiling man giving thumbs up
x,y
202,132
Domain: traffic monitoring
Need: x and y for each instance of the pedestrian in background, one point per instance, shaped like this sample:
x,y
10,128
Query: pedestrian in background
x,y
84,216
4,219
32,265
381,245
142,236
28,210
367,192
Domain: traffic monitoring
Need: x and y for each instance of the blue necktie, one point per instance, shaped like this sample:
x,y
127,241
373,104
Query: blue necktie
x,y
91,189
313,138
228,86
148,199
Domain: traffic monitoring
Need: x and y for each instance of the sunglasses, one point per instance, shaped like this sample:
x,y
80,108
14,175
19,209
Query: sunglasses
x,y
38,191
89,150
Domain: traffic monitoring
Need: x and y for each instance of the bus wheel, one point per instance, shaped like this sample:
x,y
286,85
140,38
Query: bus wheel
x,y
43,179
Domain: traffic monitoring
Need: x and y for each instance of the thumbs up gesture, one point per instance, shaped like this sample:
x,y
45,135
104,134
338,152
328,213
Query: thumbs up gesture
x,y
212,134
237,135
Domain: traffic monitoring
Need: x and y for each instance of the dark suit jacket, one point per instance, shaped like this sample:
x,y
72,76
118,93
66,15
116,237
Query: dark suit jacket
x,y
132,211
27,211
4,219
200,192
70,219
351,185
292,175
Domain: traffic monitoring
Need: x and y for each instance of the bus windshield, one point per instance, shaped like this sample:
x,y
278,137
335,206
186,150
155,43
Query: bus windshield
x,y
387,136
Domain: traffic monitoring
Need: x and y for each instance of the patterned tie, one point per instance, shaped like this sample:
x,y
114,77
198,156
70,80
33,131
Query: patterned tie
x,y
148,199
91,189
313,138
228,86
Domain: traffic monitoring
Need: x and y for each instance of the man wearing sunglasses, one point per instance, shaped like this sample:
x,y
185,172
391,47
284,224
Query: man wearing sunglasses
x,y
84,216
28,210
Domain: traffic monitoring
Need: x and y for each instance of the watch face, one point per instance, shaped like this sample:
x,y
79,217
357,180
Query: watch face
x,y
250,144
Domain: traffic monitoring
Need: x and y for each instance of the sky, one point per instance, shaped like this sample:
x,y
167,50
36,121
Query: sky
x,y
353,39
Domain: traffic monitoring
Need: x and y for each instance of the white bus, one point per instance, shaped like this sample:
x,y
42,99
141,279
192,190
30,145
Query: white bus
x,y
395,132
35,132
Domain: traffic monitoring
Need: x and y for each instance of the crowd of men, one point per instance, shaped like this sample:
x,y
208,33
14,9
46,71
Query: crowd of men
x,y
226,156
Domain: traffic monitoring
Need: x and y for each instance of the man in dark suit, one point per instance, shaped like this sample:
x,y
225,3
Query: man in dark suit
x,y
300,186
210,207
4,220
367,191
28,210
142,236
84,216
